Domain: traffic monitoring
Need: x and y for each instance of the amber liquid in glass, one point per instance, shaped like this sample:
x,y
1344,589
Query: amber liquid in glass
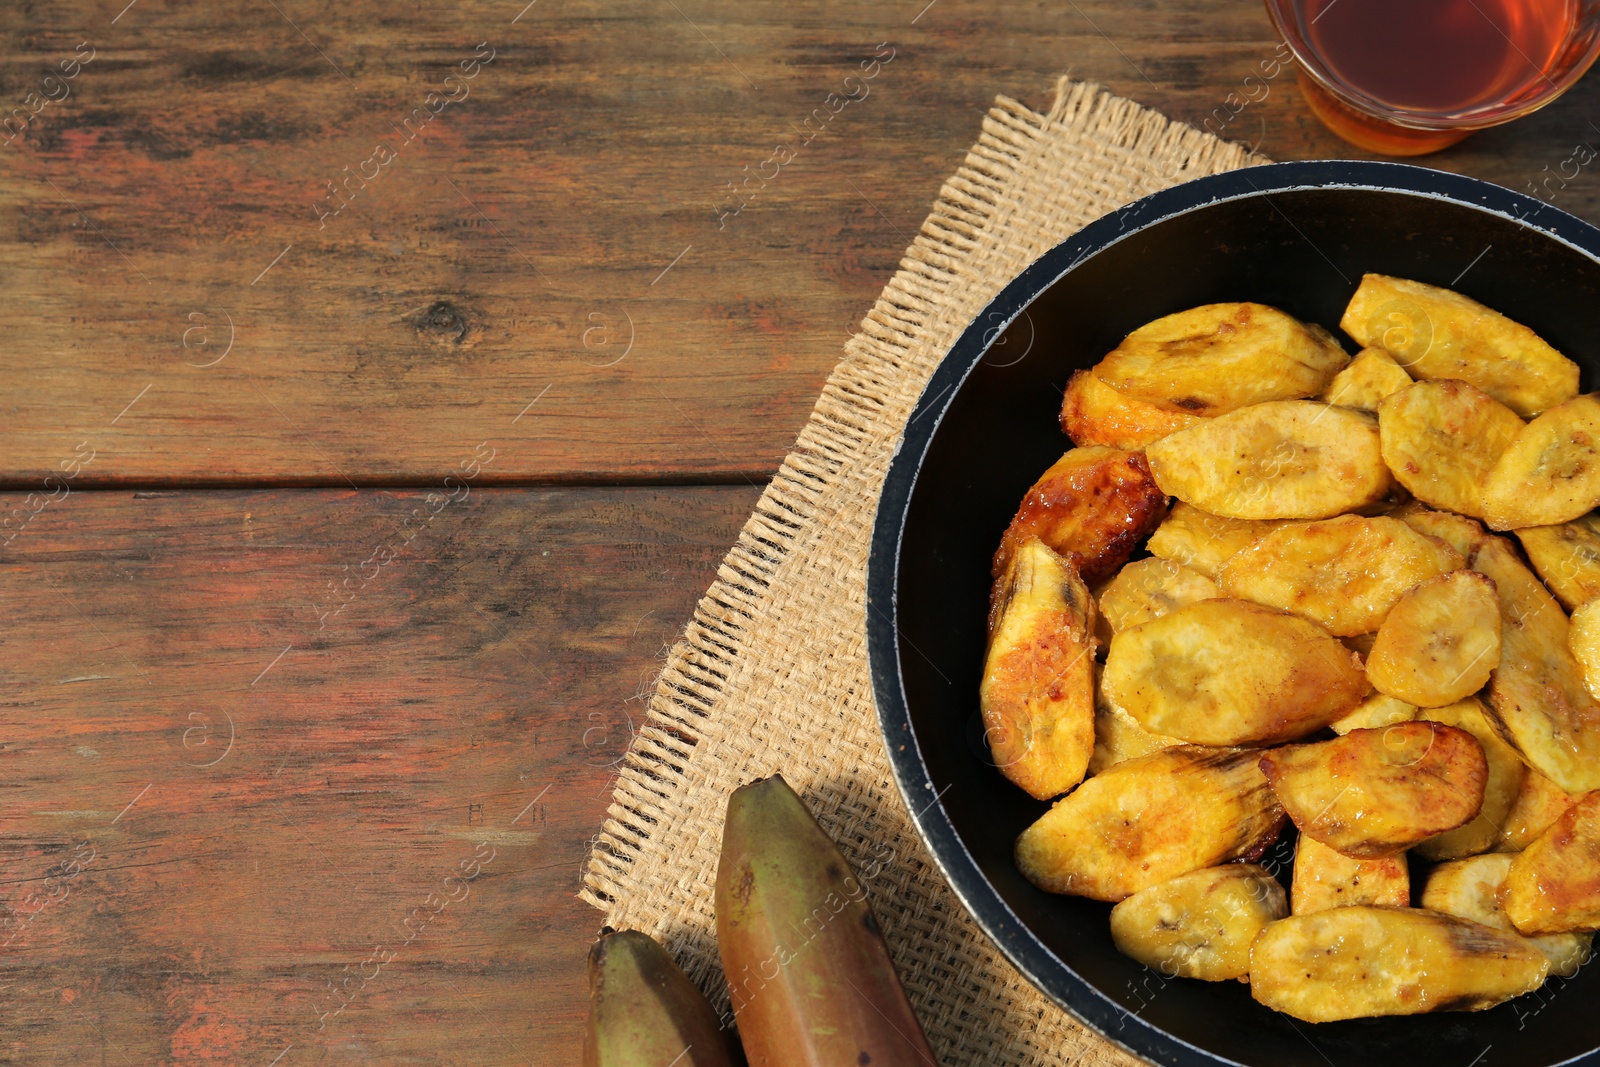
x,y
1429,55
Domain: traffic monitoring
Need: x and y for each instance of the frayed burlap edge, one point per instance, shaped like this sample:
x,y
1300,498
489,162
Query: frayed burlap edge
x,y
771,674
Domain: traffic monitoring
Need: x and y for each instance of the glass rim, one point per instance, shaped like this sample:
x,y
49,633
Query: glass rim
x,y
1473,118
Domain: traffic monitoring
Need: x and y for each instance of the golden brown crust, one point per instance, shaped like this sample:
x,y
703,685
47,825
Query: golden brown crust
x,y
1344,574
1095,503
1553,885
1202,541
1325,878
1539,803
1037,694
1567,557
1150,588
1373,793
1370,377
1550,473
1537,694
1501,787
1217,358
1229,672
1200,924
1441,439
1093,413
1149,819
1439,642
1475,889
1435,333
1346,963
1286,459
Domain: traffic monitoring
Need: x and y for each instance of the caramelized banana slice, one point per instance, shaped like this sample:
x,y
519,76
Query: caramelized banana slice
x,y
1119,737
1537,693
1551,471
1200,924
1584,641
1500,788
1150,588
1378,710
1440,641
1228,672
1371,793
1460,533
1037,694
1370,377
1093,413
1344,574
1150,819
1472,889
1567,557
1436,333
1221,357
1202,541
1096,503
1553,886
1349,963
1539,803
1288,459
1440,440
1326,879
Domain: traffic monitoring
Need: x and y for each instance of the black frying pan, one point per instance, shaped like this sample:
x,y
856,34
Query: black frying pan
x,y
1297,236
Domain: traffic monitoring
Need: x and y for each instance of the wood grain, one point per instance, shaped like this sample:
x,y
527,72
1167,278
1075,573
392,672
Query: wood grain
x,y
517,248
469,703
549,269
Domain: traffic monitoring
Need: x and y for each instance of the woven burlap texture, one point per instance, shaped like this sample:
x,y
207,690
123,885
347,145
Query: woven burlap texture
x,y
772,675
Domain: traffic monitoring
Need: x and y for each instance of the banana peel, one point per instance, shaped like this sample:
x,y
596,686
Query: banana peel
x,y
644,1012
808,970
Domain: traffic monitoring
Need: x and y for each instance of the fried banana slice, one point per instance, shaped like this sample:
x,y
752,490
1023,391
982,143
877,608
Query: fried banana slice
x,y
1377,711
1567,557
1202,541
1553,886
1435,333
1537,693
1200,924
1326,879
1500,787
1287,459
1093,413
1151,819
1459,532
1550,473
1221,357
1344,574
1370,377
1372,793
1150,588
1096,503
1037,693
1229,672
1441,439
1473,889
1583,638
1539,803
1349,963
1118,737
1439,642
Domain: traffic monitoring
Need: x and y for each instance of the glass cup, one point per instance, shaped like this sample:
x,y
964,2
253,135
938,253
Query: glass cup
x,y
1365,81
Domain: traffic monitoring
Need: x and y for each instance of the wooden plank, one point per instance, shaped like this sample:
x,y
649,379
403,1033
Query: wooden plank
x,y
560,235
226,818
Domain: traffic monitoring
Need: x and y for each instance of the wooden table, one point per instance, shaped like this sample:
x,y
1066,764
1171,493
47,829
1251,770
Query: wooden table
x,y
378,403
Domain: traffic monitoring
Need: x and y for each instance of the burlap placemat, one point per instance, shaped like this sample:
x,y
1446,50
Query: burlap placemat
x,y
771,674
